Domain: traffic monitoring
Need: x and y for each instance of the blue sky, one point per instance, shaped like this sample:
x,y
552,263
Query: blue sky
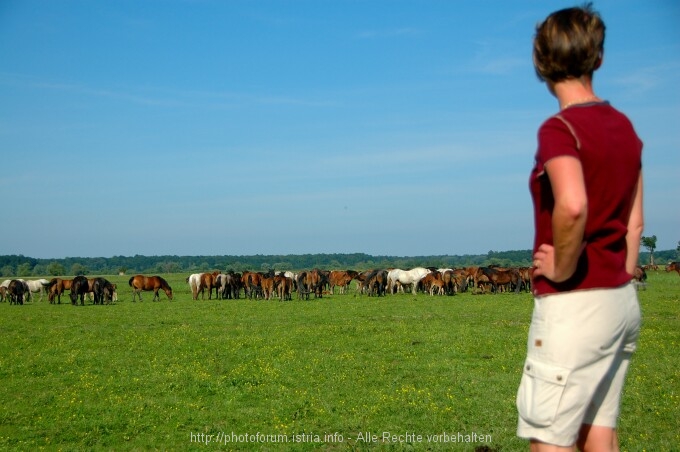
x,y
402,128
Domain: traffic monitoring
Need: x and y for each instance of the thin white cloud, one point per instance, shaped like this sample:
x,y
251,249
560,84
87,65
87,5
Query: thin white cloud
x,y
166,97
388,33
501,65
641,81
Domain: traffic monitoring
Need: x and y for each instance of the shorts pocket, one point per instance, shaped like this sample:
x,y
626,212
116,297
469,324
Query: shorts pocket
x,y
540,392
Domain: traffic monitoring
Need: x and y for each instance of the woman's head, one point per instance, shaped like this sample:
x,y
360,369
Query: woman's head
x,y
569,44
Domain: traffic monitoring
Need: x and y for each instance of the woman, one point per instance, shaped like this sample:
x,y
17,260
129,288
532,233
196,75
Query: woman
x,y
586,186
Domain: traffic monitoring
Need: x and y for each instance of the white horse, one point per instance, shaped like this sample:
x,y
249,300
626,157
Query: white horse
x,y
405,277
194,281
38,285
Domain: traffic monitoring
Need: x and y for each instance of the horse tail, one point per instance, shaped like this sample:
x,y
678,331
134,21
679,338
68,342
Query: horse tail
x,y
130,281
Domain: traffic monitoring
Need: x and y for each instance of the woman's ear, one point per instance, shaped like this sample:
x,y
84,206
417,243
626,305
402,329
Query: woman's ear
x,y
598,63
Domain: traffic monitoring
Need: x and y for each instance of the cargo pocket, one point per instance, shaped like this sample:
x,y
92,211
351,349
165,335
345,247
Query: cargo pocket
x,y
540,392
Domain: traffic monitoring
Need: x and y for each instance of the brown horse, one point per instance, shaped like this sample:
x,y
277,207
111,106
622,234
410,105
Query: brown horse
x,y
312,281
640,277
673,266
341,278
141,282
283,286
252,283
499,276
56,287
201,281
208,281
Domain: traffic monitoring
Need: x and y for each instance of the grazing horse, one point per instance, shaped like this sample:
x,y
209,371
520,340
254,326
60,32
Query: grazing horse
x,y
56,287
79,287
673,266
461,280
640,277
341,278
361,280
17,288
406,277
500,276
434,282
376,282
103,291
148,283
35,286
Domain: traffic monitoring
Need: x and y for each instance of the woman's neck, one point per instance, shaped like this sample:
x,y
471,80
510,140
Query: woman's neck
x,y
575,91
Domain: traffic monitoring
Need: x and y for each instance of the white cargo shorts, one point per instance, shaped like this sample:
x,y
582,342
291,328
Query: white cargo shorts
x,y
579,348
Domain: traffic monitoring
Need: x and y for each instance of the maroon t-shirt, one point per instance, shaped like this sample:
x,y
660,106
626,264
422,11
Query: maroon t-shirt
x,y
604,140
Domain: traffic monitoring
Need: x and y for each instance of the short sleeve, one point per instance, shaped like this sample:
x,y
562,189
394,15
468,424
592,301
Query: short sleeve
x,y
555,139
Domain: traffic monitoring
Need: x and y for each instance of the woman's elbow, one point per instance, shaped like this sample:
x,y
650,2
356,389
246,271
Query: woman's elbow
x,y
635,229
575,210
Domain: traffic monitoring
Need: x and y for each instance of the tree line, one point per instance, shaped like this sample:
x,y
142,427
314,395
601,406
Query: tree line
x,y
22,266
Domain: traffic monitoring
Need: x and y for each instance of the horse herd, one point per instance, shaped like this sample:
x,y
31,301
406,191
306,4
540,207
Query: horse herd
x,y
376,282
99,289
267,285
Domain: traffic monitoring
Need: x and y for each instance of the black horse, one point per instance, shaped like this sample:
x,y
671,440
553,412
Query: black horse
x,y
79,287
103,291
17,289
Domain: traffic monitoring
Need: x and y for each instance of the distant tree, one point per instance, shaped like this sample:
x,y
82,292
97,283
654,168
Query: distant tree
x,y
7,270
24,270
78,269
236,266
55,269
650,244
168,267
39,270
122,270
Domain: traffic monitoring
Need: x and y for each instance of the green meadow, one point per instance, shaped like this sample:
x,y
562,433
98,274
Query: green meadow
x,y
344,372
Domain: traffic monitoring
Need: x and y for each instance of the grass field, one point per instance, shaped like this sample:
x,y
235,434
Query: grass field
x,y
345,372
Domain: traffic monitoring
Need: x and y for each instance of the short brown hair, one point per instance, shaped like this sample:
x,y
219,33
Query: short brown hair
x,y
569,44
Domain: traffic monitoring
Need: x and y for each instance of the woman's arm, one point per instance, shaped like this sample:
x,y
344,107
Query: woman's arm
x,y
558,262
635,228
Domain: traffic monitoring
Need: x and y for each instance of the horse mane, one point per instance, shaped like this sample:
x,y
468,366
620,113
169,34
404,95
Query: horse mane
x,y
164,283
